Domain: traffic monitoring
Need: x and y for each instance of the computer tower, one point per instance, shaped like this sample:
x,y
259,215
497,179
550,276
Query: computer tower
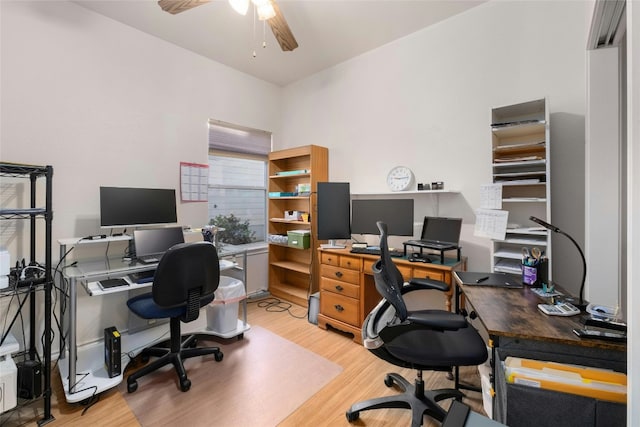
x,y
29,379
112,360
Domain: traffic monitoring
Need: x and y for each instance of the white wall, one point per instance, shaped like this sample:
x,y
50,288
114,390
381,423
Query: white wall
x,y
604,187
108,105
425,102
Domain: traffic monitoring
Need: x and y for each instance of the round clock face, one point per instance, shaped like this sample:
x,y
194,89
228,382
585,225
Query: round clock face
x,y
400,178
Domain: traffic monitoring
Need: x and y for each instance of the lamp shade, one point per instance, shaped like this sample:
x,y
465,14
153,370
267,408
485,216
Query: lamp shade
x,y
265,9
240,6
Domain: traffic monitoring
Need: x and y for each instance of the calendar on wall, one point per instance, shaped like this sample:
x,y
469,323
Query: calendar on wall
x,y
194,178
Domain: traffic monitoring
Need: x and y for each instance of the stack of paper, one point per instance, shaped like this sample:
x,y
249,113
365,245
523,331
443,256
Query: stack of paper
x,y
603,384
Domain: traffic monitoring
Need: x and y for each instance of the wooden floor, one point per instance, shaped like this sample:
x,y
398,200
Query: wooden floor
x,y
362,378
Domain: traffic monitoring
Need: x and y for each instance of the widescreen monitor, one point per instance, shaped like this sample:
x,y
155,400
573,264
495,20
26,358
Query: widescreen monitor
x,y
130,207
333,212
396,213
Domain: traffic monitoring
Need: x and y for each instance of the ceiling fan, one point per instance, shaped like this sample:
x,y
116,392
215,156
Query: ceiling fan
x,y
278,24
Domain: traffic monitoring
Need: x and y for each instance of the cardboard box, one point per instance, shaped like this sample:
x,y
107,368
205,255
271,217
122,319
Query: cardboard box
x,y
299,238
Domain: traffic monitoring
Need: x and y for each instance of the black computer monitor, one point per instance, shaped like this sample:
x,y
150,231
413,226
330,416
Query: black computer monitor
x,y
130,207
333,213
396,213
154,242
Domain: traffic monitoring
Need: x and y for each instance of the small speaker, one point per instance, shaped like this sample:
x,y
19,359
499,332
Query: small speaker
x,y
29,379
112,352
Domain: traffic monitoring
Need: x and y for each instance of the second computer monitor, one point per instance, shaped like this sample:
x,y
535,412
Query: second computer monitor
x,y
396,213
154,242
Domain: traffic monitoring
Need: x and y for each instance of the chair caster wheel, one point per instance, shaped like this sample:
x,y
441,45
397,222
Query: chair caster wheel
x,y
185,384
388,381
352,416
145,358
132,386
194,343
218,356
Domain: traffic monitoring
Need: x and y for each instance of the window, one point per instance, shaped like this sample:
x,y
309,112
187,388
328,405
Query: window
x,y
238,182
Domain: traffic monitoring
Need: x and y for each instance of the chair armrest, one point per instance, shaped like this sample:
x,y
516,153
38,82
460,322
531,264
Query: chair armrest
x,y
437,319
416,284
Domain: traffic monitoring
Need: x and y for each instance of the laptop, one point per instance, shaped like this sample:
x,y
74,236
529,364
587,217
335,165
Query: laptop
x,y
439,233
152,243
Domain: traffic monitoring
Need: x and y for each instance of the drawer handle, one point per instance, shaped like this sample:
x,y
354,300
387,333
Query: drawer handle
x,y
339,307
338,274
339,288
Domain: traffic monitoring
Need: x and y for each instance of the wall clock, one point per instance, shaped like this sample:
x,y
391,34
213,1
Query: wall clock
x,y
400,178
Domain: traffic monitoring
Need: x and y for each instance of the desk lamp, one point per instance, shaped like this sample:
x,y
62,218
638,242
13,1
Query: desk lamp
x,y
582,304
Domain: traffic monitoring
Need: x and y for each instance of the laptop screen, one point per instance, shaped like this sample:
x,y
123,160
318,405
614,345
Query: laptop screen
x,y
156,241
441,229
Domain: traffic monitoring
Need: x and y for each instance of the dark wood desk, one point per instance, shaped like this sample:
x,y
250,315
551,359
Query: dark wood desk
x,y
517,328
514,313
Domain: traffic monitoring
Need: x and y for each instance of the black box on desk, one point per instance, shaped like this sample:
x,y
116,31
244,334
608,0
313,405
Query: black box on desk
x,y
112,360
537,274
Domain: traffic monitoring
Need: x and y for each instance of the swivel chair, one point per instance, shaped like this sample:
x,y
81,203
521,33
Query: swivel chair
x,y
434,340
185,280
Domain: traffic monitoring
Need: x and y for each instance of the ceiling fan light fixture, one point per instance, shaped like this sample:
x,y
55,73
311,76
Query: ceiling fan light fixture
x,y
265,9
240,6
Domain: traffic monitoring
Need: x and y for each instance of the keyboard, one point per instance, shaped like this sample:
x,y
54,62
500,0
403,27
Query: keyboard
x,y
142,276
376,251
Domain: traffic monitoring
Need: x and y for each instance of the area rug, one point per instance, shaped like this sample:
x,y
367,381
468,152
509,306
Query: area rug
x,y
260,381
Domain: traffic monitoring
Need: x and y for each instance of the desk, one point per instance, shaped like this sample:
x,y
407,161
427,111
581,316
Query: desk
x,y
517,328
347,289
85,364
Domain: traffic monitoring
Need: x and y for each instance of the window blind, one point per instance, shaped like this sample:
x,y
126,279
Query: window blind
x,y
228,137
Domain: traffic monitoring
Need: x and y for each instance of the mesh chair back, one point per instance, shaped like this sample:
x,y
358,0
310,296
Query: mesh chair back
x,y
187,275
387,277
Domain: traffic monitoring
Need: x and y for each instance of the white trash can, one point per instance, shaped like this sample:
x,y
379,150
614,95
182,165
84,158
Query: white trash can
x,y
222,313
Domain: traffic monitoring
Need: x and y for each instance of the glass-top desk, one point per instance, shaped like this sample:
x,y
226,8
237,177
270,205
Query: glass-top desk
x,y
85,363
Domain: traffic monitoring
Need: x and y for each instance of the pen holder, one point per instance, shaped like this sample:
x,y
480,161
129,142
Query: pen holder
x,y
536,274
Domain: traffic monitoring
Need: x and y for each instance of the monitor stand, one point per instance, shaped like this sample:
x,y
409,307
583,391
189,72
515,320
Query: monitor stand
x,y
332,245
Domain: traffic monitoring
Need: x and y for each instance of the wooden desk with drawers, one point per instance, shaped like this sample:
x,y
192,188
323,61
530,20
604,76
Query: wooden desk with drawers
x,y
347,289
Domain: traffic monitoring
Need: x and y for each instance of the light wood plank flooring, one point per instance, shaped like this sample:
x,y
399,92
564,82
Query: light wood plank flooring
x,y
362,378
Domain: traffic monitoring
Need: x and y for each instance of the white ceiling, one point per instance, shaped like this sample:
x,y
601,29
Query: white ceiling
x,y
328,31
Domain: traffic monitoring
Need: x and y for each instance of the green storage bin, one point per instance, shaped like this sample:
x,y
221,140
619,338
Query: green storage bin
x,y
299,238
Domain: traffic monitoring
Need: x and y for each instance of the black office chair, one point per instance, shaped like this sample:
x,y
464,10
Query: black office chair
x,y
185,280
434,340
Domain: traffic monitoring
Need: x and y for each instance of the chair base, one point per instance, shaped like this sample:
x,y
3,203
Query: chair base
x,y
413,397
175,354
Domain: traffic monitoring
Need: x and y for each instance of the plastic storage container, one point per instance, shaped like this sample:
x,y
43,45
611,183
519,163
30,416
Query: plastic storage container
x,y
222,313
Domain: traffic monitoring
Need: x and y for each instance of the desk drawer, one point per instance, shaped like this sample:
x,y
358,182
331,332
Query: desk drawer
x,y
350,262
339,307
330,259
405,271
339,273
340,287
422,273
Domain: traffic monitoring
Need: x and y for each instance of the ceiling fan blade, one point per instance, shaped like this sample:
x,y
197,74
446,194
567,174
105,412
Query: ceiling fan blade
x,y
281,30
177,6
